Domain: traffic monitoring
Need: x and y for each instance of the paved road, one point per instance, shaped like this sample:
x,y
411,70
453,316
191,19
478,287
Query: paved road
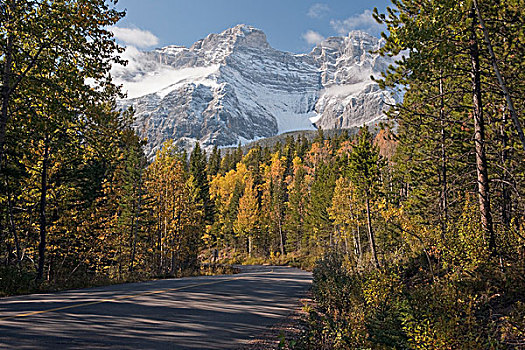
x,y
215,312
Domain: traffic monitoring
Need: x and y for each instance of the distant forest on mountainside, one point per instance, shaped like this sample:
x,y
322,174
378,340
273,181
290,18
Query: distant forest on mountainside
x,y
415,232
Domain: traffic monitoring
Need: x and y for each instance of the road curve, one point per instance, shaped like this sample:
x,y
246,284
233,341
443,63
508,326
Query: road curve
x,y
213,312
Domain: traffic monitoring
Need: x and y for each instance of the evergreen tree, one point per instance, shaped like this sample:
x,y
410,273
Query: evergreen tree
x,y
214,162
296,208
364,166
198,171
465,93
317,219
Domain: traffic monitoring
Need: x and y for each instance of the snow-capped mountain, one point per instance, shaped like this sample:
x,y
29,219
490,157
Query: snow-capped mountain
x,y
348,96
234,87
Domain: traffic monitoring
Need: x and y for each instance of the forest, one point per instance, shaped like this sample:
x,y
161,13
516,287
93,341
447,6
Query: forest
x,y
414,229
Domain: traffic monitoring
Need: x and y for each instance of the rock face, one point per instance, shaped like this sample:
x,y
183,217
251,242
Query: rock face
x,y
349,97
233,87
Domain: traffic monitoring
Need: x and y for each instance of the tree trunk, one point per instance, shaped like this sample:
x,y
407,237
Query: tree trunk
x,y
346,240
371,234
159,242
119,253
479,139
172,267
501,82
42,211
162,250
357,240
135,224
281,237
506,208
12,229
250,245
6,84
356,246
444,199
132,237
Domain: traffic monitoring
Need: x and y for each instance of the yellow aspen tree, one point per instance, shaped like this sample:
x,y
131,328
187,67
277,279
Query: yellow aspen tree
x,y
247,218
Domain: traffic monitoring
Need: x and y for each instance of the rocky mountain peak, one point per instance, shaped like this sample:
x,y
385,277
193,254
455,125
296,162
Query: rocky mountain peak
x,y
234,87
358,46
248,36
241,35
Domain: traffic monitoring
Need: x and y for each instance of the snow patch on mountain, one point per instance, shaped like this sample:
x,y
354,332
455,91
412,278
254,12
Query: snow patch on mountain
x,y
346,91
166,79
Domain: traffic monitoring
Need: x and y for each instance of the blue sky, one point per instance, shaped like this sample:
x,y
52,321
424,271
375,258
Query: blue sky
x,y
290,25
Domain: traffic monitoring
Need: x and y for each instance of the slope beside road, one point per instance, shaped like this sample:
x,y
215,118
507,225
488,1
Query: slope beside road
x,y
213,312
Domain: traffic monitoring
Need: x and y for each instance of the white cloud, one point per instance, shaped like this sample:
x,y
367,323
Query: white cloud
x,y
133,56
318,10
136,37
363,21
313,38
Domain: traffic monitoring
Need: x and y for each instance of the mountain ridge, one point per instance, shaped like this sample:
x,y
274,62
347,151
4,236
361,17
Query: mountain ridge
x,y
234,87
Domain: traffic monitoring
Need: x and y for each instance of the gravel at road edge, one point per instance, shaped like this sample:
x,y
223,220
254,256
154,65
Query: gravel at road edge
x,y
290,329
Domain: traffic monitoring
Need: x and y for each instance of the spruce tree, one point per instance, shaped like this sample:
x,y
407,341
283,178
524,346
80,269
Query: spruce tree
x,y
364,168
214,162
200,178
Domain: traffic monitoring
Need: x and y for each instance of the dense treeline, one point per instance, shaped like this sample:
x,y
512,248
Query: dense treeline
x,y
59,137
449,205
278,201
79,203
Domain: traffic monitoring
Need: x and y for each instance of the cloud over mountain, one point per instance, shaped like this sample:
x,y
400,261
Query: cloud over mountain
x,y
135,37
363,21
312,37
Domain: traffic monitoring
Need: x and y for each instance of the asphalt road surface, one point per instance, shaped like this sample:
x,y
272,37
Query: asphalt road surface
x,y
215,312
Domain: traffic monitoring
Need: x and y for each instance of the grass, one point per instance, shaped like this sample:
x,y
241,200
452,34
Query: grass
x,y
15,282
